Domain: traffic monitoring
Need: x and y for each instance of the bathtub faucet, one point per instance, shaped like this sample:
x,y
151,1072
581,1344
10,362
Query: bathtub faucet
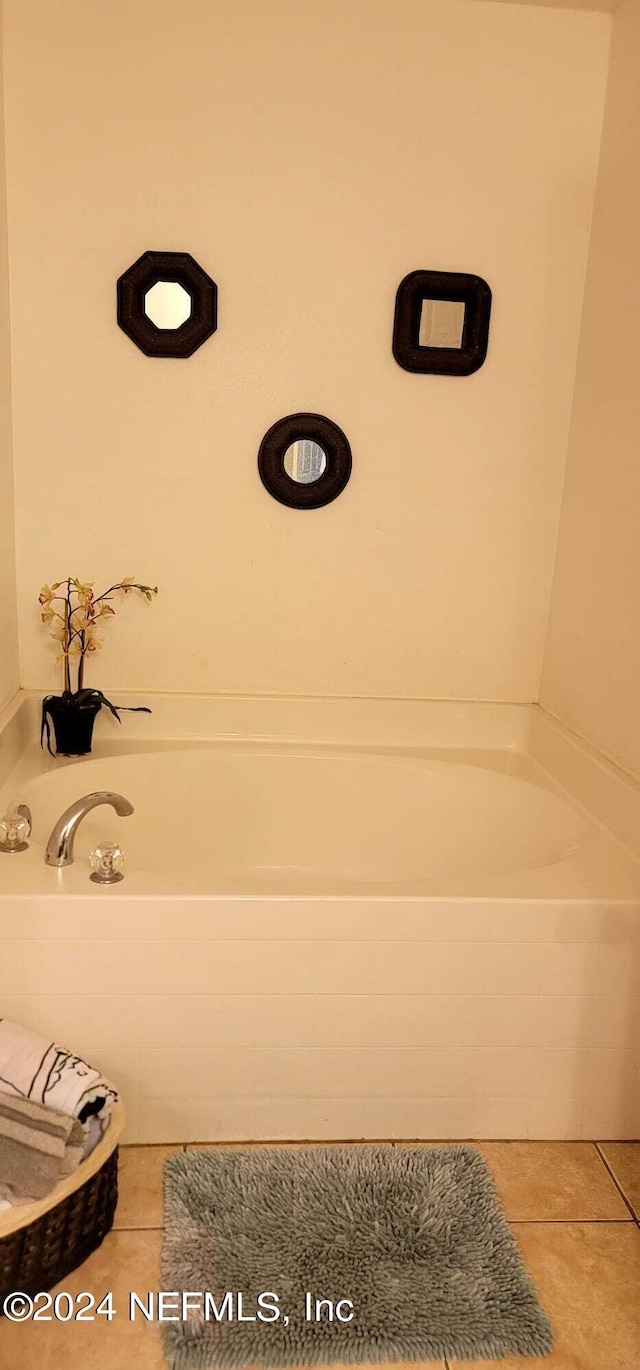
x,y
60,845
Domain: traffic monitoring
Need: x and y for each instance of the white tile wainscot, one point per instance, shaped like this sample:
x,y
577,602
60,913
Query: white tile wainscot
x,y
301,1018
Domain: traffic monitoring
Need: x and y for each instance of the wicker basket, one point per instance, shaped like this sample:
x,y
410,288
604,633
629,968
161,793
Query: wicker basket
x,y
41,1242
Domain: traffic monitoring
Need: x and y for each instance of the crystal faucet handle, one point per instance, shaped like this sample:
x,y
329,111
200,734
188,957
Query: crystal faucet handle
x,y
14,831
106,861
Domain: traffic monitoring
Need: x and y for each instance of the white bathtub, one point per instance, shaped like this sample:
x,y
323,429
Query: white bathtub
x,y
239,819
337,921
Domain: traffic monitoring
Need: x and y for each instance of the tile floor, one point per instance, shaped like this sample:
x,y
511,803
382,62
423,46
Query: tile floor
x,y
575,1210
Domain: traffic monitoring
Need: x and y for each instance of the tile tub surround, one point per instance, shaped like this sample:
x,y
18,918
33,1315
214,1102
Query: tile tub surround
x,y
328,1018
324,1029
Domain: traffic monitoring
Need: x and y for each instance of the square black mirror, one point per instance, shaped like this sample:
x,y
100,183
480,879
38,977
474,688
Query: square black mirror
x,y
441,324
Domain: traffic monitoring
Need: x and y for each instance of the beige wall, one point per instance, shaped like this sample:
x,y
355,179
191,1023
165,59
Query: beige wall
x,y
8,625
308,156
592,669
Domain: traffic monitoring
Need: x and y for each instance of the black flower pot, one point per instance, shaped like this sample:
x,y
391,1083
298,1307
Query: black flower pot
x,y
73,717
73,722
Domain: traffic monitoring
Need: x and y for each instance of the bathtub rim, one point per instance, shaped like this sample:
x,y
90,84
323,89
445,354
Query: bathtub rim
x,y
608,793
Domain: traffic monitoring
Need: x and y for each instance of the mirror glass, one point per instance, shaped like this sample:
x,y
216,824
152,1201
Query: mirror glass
x,y
441,323
167,304
305,461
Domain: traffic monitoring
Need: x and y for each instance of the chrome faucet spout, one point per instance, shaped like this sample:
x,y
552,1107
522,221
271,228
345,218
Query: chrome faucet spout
x,y
60,845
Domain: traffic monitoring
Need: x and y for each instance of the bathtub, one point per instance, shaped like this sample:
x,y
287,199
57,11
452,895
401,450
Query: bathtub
x,y
339,922
257,820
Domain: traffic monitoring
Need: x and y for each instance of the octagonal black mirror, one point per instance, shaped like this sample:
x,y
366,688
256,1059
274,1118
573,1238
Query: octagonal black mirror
x,y
167,304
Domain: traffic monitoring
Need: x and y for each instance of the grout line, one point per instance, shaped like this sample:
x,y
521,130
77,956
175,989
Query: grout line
x,y
151,1146
368,1141
158,1228
362,1141
574,1222
615,1181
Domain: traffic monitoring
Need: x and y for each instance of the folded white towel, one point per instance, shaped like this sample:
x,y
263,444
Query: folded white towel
x,y
33,1068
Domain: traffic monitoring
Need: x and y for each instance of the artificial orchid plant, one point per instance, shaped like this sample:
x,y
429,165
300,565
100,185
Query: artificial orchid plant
x,y
73,617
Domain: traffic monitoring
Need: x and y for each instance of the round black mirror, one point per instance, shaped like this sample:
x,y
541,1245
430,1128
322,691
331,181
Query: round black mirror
x,y
304,461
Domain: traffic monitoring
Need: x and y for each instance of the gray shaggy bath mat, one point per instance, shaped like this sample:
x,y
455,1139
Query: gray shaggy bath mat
x,y
407,1243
